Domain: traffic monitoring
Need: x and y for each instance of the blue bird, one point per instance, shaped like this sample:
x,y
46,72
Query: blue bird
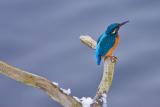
x,y
108,42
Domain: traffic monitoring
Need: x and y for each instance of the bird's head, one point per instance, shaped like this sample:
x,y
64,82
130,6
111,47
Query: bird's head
x,y
114,28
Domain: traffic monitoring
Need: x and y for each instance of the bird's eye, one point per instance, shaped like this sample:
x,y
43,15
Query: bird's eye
x,y
114,31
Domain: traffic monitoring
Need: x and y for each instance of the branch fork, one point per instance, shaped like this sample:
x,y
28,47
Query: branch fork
x,y
54,91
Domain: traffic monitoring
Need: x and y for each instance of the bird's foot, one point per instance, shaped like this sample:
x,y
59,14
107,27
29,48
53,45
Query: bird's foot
x,y
113,59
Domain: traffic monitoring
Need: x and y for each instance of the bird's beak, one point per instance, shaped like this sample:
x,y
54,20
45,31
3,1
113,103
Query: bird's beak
x,y
123,23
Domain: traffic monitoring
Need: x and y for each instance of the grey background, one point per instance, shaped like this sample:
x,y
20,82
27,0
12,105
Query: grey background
x,y
42,36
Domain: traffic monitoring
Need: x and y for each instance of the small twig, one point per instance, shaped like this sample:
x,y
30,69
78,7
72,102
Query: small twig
x,y
87,40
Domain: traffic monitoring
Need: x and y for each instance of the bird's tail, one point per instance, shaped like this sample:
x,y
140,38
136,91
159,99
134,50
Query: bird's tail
x,y
98,59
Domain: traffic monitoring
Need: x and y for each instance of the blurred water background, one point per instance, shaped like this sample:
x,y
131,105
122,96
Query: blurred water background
x,y
42,36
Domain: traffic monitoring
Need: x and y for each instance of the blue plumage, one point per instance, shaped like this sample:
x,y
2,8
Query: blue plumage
x,y
108,41
104,44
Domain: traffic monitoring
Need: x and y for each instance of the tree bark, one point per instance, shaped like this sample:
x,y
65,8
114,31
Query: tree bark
x,y
39,82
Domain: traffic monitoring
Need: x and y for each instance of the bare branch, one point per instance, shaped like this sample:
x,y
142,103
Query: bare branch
x,y
107,77
39,82
53,90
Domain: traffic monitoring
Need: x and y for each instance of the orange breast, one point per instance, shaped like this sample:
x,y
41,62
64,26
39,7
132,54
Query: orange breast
x,y
110,52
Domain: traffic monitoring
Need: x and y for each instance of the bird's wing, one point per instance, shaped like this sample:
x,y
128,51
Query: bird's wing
x,y
99,38
105,45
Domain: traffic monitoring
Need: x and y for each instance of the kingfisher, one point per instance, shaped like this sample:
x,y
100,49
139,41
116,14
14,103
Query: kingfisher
x,y
108,42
